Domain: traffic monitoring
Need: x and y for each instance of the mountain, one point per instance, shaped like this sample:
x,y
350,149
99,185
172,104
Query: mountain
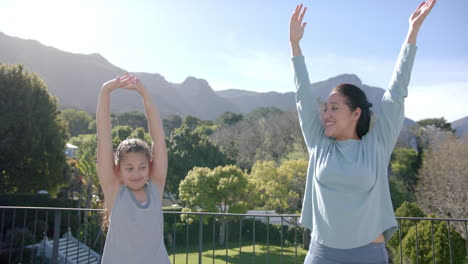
x,y
76,79
461,126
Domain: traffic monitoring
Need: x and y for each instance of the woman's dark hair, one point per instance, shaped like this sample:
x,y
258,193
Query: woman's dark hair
x,y
355,98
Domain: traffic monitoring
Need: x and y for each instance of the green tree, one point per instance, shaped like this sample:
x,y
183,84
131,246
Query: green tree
x,y
439,123
133,119
399,193
214,190
91,194
405,164
170,123
85,143
228,119
119,134
269,187
405,210
221,189
140,133
263,112
32,134
296,173
441,244
186,150
205,129
191,122
278,188
78,122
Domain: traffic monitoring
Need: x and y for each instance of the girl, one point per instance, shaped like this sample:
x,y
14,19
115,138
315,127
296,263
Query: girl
x,y
347,203
132,183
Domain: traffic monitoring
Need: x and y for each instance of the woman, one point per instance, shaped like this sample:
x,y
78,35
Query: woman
x,y
347,203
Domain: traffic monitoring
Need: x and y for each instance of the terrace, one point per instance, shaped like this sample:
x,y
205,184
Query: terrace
x,y
71,235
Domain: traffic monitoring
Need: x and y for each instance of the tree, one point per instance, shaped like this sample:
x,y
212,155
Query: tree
x,y
439,123
266,135
296,173
192,122
219,190
119,134
405,164
263,112
32,134
228,119
278,188
269,187
186,150
441,244
214,190
398,192
170,123
405,210
78,122
133,119
443,181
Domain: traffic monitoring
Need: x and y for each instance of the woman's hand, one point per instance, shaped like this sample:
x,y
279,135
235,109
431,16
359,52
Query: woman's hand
x,y
417,18
296,29
296,26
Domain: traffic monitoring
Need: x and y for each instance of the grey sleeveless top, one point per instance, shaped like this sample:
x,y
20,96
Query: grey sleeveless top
x,y
136,231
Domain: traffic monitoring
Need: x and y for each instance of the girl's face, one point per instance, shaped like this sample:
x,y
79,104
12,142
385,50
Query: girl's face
x,y
338,119
134,170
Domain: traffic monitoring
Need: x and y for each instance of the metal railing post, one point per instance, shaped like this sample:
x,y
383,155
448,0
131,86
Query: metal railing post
x,y
200,239
58,216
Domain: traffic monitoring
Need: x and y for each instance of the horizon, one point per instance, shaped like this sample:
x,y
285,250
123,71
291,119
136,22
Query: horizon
x,y
252,53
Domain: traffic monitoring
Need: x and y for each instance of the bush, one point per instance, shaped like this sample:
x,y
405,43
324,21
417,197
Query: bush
x,y
405,210
441,244
233,229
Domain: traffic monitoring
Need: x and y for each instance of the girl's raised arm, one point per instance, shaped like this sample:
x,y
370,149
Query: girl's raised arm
x,y
158,170
105,158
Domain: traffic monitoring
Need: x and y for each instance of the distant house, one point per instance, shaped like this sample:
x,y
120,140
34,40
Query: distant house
x,y
71,150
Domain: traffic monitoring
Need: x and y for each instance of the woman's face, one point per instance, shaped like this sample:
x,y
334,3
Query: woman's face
x,y
338,120
134,170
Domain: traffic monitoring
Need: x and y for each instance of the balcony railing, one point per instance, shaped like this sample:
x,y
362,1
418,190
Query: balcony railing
x,y
72,235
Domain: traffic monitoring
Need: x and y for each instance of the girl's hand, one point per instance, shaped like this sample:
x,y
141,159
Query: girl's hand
x,y
296,26
119,82
417,18
137,85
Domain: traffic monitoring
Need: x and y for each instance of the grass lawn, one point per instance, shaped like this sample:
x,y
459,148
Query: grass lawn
x,y
233,255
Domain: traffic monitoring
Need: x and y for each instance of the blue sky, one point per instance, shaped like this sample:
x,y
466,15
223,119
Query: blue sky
x,y
244,44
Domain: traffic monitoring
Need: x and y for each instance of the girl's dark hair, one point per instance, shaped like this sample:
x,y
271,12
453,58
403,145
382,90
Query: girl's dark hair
x,y
357,98
131,145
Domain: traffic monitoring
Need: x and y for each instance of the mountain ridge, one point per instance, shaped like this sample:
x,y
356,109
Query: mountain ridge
x,y
75,79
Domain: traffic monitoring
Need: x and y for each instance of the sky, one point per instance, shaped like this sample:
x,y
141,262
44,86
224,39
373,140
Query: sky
x,y
244,44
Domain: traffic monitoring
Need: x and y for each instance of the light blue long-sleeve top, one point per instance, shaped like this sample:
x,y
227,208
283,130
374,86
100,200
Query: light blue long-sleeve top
x,y
347,199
